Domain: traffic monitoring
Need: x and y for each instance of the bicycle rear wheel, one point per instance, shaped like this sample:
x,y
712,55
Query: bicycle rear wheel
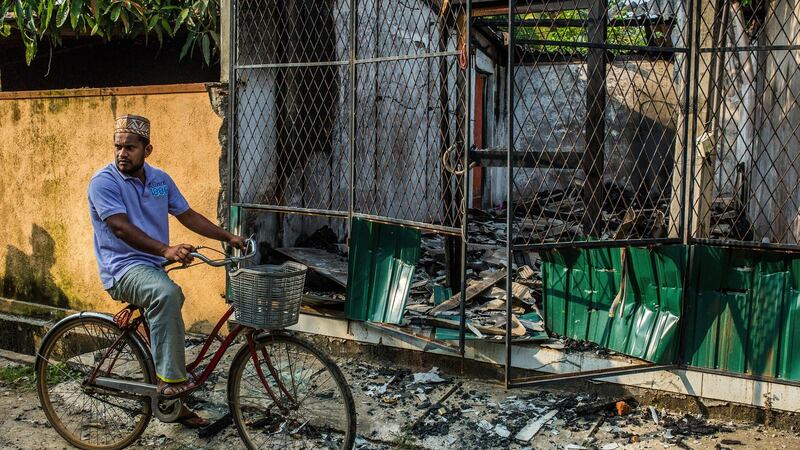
x,y
90,417
311,405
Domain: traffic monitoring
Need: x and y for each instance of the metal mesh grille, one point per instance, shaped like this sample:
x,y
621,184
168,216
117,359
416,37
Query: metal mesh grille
x,y
296,78
292,111
747,173
598,118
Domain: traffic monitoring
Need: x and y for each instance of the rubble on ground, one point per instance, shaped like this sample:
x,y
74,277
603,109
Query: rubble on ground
x,y
433,412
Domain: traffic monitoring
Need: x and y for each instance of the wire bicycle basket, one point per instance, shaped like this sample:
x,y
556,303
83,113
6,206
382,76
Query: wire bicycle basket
x,y
268,296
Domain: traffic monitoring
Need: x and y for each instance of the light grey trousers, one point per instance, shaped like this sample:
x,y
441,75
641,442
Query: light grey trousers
x,y
150,288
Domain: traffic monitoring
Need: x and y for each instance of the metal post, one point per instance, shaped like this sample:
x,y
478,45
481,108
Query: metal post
x,y
509,185
688,90
352,147
692,58
593,162
466,196
232,144
694,51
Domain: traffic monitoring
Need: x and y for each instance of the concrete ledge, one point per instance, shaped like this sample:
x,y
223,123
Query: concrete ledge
x,y
716,387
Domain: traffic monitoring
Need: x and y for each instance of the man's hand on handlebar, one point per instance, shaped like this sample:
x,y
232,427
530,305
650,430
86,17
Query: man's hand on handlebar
x,y
238,242
180,252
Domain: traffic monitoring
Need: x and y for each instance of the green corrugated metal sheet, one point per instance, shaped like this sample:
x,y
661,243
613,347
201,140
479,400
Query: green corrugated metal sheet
x,y
744,313
381,265
555,275
742,309
580,286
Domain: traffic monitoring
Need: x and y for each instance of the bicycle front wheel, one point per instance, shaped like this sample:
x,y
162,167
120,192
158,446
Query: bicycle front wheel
x,y
293,397
87,416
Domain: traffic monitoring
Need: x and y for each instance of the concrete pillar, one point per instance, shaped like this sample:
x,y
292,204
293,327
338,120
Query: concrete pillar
x,y
224,40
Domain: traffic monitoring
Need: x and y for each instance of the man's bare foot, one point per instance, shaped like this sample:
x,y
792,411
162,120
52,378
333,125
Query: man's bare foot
x,y
190,419
175,389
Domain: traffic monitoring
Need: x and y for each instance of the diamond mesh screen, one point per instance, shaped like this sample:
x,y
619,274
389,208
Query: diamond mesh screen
x,y
599,120
746,169
312,98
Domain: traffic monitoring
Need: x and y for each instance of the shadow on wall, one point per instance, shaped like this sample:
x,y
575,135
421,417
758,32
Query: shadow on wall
x,y
28,277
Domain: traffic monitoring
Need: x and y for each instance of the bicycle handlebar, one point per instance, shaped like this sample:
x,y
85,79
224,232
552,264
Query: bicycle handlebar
x,y
251,250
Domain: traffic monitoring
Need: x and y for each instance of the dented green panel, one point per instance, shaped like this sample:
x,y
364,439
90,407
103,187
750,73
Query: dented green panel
x,y
645,324
741,311
606,275
381,266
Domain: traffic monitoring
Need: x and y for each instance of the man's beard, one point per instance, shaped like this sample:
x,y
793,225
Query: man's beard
x,y
131,168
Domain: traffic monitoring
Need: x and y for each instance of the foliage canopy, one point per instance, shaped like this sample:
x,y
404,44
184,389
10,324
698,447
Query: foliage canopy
x,y
38,20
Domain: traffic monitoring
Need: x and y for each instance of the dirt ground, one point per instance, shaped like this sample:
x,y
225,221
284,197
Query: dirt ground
x,y
394,411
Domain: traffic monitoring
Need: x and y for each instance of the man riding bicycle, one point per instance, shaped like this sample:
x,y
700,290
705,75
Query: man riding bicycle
x,y
129,203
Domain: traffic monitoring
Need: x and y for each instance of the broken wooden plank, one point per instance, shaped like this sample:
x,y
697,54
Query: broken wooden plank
x,y
532,428
472,291
517,329
329,265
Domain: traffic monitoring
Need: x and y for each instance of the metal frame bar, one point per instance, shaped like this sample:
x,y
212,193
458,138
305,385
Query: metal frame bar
x,y
511,86
293,65
462,325
599,373
789,248
232,145
292,210
602,46
751,48
406,57
743,376
351,150
599,244
410,223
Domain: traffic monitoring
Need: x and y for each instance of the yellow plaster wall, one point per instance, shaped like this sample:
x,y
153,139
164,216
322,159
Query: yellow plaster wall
x,y
50,148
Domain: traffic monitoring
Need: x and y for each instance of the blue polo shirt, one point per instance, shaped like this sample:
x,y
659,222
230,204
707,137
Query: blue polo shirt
x,y
147,206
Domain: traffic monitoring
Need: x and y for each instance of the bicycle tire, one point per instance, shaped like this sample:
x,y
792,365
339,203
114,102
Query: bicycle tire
x,y
67,355
335,430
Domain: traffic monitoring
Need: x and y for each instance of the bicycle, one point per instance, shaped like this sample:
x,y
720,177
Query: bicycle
x,y
96,380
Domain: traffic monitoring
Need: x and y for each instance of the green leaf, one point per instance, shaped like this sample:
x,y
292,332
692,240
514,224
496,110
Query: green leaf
x,y
62,14
5,30
181,18
215,35
99,8
165,24
30,51
123,16
19,11
115,10
48,14
160,36
75,10
96,30
189,42
206,49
